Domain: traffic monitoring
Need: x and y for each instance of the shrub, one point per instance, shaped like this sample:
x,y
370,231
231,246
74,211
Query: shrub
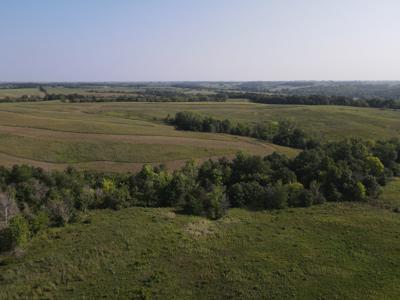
x,y
18,231
40,222
60,212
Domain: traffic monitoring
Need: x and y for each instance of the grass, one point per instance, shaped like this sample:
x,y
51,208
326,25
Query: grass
x,y
390,199
332,251
86,151
52,135
330,121
89,134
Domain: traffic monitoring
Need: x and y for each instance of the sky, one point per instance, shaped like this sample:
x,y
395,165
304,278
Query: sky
x,y
199,40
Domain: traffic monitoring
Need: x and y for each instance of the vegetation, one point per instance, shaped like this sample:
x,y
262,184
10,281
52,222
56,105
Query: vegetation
x,y
230,227
350,170
284,133
96,137
317,100
334,250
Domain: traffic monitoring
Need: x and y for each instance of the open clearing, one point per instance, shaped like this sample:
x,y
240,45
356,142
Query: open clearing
x,y
331,251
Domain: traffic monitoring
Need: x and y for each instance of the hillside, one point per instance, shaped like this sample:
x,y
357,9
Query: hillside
x,y
55,135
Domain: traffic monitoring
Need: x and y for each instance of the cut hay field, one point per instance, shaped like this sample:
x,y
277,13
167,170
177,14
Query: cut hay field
x,y
92,136
330,251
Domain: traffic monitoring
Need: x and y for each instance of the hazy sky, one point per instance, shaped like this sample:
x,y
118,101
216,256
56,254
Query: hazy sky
x,y
132,40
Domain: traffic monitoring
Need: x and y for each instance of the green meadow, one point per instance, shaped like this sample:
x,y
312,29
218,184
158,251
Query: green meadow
x,y
330,251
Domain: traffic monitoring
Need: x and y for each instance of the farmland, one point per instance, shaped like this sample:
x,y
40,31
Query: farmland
x,y
333,250
122,136
95,136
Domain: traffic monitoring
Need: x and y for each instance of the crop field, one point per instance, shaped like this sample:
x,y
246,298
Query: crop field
x,y
330,251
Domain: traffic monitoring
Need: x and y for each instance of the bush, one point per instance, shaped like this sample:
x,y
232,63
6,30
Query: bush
x,y
212,204
60,212
306,198
40,222
18,230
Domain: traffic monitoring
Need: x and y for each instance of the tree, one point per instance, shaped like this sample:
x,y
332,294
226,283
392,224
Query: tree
x,y
374,166
244,194
215,204
277,197
373,189
294,191
359,192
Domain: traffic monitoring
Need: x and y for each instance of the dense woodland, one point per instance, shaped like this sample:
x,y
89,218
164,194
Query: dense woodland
x,y
32,199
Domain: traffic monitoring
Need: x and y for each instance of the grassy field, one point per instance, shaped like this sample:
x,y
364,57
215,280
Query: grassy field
x,y
330,121
54,135
332,251
391,196
15,93
122,136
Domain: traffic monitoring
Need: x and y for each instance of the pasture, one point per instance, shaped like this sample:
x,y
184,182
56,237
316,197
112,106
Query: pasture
x,y
330,251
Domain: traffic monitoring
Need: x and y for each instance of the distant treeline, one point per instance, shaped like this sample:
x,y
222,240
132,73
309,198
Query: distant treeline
x,y
284,133
316,100
32,199
146,96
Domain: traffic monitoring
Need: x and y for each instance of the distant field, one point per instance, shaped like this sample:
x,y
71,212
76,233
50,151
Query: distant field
x,y
91,91
331,251
122,136
15,93
331,121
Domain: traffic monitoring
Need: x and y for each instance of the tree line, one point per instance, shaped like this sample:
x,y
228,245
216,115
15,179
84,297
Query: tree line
x,y
32,199
141,96
284,133
148,95
317,100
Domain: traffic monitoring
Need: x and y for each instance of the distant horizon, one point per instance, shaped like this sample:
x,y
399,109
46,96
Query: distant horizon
x,y
199,81
210,40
